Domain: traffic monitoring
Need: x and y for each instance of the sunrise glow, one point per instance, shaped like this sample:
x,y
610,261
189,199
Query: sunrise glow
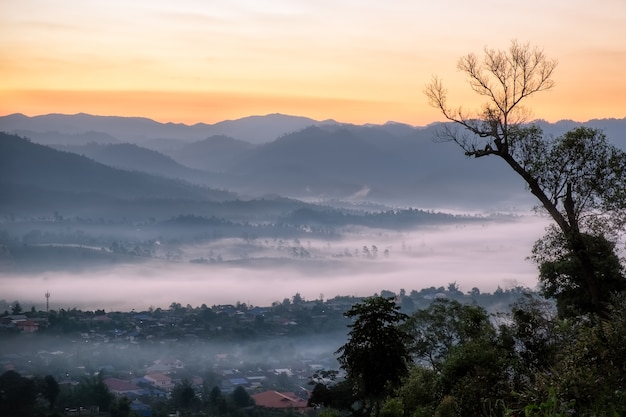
x,y
360,62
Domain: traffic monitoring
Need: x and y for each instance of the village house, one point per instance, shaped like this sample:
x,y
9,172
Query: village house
x,y
27,326
20,322
161,381
165,366
121,387
280,400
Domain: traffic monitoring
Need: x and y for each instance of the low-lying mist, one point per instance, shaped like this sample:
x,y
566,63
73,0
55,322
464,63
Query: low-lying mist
x,y
260,271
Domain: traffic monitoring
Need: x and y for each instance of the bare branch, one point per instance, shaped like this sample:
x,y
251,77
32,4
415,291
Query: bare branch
x,y
504,78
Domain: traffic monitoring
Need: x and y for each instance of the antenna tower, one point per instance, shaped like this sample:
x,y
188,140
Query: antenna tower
x,y
47,306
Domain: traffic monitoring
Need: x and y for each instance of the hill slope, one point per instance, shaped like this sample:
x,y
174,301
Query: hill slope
x,y
29,164
136,158
211,154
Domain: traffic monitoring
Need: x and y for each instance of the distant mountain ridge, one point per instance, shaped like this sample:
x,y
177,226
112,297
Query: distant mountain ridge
x,y
49,129
393,163
253,129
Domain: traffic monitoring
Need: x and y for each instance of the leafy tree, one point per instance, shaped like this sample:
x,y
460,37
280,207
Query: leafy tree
x,y
121,407
328,392
183,395
462,362
579,178
210,380
436,330
241,398
376,356
562,276
49,389
217,403
407,305
453,288
16,308
176,307
589,373
93,391
420,393
17,395
297,299
22,396
474,375
215,395
536,333
281,382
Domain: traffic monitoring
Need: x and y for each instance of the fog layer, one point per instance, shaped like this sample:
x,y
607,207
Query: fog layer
x,y
484,255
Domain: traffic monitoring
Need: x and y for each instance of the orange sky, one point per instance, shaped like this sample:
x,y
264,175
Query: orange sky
x,y
367,61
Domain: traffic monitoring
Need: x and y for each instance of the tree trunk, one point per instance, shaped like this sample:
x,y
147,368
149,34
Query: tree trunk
x,y
569,227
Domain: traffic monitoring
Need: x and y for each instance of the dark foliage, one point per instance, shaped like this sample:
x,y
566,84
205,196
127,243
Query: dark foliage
x,y
376,356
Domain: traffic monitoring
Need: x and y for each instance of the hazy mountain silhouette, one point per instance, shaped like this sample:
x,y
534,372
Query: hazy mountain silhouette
x,y
391,163
124,128
263,129
372,162
62,129
37,180
77,139
338,152
136,158
26,164
212,154
67,129
614,129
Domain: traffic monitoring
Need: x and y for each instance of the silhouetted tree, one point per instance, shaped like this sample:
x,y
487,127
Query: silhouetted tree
x,y
49,389
121,408
17,395
579,179
93,391
562,276
183,395
217,402
16,308
376,356
241,398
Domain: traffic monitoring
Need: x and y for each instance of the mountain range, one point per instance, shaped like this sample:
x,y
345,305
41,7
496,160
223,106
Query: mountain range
x,y
82,191
296,157
81,128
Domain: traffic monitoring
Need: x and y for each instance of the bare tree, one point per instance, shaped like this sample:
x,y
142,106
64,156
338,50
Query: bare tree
x,y
505,78
579,179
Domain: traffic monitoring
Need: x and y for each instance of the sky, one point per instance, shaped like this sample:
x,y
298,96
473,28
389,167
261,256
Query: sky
x,y
363,61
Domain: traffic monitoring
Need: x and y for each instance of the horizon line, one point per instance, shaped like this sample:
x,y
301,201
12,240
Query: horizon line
x,y
328,120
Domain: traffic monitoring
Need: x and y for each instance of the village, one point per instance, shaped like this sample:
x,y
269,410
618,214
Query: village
x,y
270,353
